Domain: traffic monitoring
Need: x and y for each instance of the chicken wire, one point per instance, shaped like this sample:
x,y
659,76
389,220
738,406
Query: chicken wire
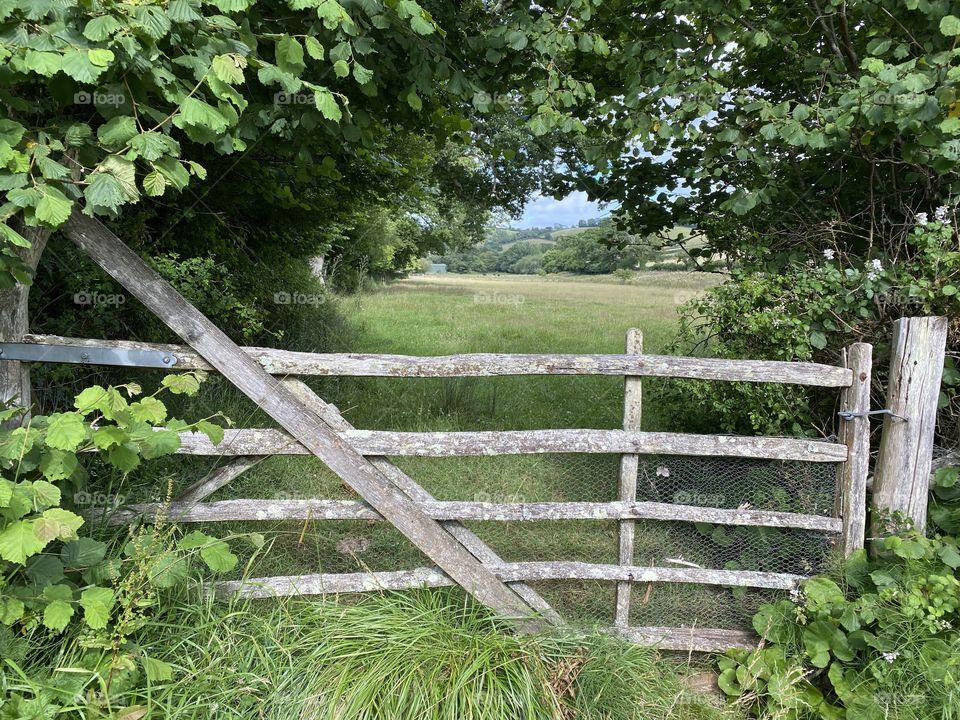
x,y
783,486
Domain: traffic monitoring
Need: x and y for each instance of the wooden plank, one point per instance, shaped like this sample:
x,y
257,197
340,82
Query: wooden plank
x,y
216,479
125,266
689,639
480,550
901,478
328,583
286,362
627,479
855,434
515,442
458,510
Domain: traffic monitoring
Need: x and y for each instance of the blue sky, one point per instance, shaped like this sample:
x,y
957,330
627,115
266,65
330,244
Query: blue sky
x,y
543,211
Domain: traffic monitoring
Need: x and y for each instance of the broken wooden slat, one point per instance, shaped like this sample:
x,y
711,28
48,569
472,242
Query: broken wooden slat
x,y
453,510
216,479
328,583
512,442
286,362
269,394
627,479
480,550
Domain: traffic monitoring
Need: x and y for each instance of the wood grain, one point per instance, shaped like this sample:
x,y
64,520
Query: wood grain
x,y
627,479
901,478
855,434
514,442
286,362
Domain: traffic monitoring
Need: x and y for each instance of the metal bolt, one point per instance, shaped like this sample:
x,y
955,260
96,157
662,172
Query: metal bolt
x,y
166,360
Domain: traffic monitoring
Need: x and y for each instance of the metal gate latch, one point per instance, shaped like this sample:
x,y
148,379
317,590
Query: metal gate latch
x,y
850,415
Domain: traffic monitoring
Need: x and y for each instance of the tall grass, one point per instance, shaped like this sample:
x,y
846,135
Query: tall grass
x,y
414,656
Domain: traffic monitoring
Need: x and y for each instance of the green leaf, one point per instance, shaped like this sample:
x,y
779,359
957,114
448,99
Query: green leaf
x,y
167,570
154,184
327,104
227,69
44,494
65,431
159,443
100,57
289,53
211,430
104,191
314,48
361,74
949,290
341,69
97,603
11,610
157,670
149,410
125,172
57,464
90,399
117,132
77,65
18,541
100,28
950,25
215,553
183,384
108,436
413,100
83,552
47,64
45,570
54,207
123,457
153,20
197,113
57,524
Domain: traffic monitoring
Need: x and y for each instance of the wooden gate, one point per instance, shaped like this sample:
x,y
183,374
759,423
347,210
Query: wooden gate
x,y
360,458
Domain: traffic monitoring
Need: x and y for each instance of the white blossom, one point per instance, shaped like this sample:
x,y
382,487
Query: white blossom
x,y
876,265
890,656
829,253
921,219
942,214
872,275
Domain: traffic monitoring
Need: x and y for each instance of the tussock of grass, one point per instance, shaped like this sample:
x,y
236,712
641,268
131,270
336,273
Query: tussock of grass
x,y
409,656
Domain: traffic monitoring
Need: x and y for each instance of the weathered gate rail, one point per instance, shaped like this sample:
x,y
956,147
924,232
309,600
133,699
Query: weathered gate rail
x,y
851,455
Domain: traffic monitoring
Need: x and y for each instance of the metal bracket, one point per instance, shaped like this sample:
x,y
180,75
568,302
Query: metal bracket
x,y
850,415
80,355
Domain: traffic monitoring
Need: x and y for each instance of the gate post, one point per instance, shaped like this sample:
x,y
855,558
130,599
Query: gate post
x,y
902,476
855,434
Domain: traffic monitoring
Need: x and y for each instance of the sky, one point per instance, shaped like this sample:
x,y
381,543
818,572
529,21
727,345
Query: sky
x,y
544,211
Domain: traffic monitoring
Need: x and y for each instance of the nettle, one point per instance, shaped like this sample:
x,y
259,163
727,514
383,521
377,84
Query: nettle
x,y
49,574
885,646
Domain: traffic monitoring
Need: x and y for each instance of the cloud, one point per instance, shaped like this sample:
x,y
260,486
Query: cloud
x,y
545,211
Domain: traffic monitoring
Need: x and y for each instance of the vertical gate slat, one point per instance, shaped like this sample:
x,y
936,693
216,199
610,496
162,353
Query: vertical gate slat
x,y
855,434
627,483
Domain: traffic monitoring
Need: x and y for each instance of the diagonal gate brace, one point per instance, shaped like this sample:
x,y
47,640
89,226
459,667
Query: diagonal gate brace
x,y
270,394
